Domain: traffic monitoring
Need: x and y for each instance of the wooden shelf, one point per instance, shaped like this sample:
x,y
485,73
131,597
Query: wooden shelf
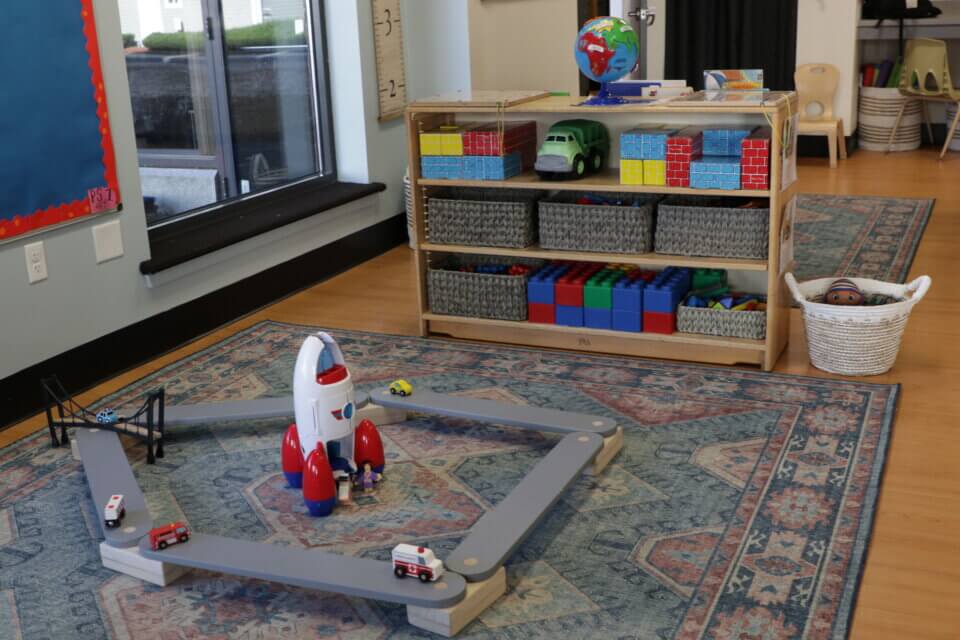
x,y
607,180
651,259
685,346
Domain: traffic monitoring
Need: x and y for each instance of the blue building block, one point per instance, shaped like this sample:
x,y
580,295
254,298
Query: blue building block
x,y
541,285
569,316
628,296
597,318
627,321
472,167
667,290
502,167
441,167
715,172
724,141
645,143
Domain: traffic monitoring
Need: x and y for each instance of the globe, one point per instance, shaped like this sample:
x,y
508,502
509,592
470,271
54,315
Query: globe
x,y
606,49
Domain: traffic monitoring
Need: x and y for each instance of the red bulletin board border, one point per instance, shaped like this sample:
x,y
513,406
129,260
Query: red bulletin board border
x,y
67,211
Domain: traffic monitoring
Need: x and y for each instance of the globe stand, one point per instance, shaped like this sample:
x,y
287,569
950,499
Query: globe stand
x,y
604,97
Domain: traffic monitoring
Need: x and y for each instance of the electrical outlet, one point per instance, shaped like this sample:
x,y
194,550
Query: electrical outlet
x,y
36,262
108,241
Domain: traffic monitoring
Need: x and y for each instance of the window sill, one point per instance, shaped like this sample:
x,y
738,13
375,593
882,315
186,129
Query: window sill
x,y
180,242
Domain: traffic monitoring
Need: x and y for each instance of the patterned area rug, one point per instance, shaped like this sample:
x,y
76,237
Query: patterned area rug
x,y
740,507
858,236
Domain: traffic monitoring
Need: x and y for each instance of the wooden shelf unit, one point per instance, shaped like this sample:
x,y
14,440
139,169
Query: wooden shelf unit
x,y
775,111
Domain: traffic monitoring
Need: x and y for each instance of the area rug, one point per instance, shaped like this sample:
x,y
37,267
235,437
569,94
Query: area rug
x,y
858,236
740,507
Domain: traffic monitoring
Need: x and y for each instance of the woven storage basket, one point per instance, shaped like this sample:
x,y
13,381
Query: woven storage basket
x,y
566,225
711,227
483,217
715,322
477,295
856,340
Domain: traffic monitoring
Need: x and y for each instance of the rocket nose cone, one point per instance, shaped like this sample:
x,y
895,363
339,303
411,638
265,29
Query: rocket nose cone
x,y
368,447
291,462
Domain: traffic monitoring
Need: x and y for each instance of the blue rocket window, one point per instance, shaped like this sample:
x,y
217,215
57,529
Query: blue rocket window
x,y
348,410
325,361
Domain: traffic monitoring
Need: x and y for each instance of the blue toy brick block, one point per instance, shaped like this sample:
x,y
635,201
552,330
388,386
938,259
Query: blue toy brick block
x,y
724,141
472,167
502,167
630,145
597,318
441,167
540,290
569,316
627,321
628,296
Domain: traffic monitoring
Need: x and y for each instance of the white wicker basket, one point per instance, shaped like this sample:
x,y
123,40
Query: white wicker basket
x,y
856,340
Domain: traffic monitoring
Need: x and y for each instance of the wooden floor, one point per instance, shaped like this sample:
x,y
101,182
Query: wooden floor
x,y
911,587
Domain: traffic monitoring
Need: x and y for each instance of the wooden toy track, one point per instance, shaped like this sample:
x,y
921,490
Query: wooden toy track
x,y
145,424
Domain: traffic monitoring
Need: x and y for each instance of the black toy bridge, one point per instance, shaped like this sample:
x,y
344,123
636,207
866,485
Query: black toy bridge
x,y
145,424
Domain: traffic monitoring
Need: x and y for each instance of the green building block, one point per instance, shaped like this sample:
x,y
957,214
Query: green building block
x,y
703,278
598,291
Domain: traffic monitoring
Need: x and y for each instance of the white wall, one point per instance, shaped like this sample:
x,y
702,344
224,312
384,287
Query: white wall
x,y
82,301
827,32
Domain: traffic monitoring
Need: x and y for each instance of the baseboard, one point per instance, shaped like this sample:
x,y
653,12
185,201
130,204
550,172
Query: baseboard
x,y
90,364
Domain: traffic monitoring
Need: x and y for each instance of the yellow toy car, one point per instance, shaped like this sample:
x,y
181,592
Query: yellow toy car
x,y
401,387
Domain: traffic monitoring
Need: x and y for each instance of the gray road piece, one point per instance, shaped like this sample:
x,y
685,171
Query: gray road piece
x,y
514,415
108,472
312,569
498,533
234,410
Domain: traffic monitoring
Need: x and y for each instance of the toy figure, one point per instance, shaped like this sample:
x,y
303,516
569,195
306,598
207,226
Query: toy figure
x,y
368,478
843,292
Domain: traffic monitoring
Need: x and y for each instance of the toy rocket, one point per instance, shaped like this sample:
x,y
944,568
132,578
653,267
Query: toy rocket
x,y
325,442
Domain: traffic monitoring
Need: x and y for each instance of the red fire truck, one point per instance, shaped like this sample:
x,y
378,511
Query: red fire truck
x,y
168,534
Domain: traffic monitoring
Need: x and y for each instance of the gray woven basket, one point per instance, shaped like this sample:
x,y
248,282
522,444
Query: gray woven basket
x,y
483,217
566,225
715,322
477,295
712,227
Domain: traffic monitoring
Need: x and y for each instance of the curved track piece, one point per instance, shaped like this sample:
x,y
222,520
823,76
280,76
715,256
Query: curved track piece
x,y
350,576
108,472
498,533
514,415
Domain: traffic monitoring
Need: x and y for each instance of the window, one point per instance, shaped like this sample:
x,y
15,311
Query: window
x,y
229,100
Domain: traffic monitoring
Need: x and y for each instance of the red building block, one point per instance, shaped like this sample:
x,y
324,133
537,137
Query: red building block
x,y
540,312
569,288
683,147
755,160
500,140
659,322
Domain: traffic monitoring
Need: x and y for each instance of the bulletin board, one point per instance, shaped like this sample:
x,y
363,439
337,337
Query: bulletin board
x,y
57,161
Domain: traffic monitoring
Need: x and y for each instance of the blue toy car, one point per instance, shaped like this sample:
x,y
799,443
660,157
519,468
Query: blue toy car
x,y
106,416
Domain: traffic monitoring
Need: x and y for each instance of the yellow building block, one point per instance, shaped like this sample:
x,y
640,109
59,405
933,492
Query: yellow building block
x,y
655,172
631,171
445,141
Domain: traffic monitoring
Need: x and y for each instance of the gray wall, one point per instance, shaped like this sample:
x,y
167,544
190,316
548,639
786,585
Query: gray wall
x,y
82,301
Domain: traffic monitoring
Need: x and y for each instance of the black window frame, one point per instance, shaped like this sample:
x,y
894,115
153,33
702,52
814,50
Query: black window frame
x,y
207,229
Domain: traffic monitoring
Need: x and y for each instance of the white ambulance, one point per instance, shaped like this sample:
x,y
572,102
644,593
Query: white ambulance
x,y
416,561
114,511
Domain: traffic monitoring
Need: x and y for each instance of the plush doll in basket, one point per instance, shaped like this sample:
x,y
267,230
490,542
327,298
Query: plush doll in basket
x,y
843,292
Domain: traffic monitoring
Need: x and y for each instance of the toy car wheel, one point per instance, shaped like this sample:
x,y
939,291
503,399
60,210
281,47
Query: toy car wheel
x,y
400,572
393,391
596,160
403,393
424,577
579,166
183,538
162,544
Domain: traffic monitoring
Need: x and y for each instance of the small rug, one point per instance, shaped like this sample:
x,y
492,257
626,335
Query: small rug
x,y
740,507
858,236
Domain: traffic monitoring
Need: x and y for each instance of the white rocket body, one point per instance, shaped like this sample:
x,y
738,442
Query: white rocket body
x,y
323,396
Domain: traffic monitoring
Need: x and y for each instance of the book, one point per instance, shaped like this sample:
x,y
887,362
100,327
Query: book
x,y
883,73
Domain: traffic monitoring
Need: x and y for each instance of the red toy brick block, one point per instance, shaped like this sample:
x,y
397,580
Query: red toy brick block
x,y
540,312
659,322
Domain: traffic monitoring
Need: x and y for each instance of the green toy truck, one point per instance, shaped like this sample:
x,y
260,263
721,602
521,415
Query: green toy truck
x,y
572,148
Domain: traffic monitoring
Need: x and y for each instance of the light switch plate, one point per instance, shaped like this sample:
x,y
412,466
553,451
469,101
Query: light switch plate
x,y
108,241
36,262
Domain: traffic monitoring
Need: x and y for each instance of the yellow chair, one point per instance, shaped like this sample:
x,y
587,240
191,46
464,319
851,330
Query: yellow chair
x,y
926,77
816,88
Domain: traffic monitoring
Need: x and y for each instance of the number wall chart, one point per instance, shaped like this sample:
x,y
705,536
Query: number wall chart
x,y
388,43
57,160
